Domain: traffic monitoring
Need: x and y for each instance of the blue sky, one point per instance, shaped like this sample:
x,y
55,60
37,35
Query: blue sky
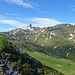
x,y
40,13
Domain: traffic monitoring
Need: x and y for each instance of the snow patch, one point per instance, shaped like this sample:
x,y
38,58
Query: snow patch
x,y
14,33
58,30
67,54
42,35
65,32
26,37
10,33
42,30
27,28
68,25
55,47
50,37
46,38
52,34
70,48
42,45
74,31
35,38
17,30
71,36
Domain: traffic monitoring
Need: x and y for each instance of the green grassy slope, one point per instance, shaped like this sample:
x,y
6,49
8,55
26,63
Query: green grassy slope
x,y
63,65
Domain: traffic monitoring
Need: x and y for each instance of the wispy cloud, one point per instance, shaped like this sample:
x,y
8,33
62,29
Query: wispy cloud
x,y
9,24
23,3
43,22
36,21
72,7
14,23
2,17
17,23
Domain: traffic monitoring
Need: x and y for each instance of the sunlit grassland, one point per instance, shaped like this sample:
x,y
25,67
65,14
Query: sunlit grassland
x,y
63,65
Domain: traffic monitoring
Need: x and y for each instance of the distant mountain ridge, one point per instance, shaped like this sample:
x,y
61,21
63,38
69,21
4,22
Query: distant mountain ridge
x,y
57,41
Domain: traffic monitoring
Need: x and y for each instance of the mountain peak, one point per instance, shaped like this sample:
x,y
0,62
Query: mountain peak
x,y
29,27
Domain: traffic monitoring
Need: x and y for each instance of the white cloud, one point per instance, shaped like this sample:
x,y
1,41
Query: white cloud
x,y
17,23
9,22
39,22
72,7
23,3
43,22
14,23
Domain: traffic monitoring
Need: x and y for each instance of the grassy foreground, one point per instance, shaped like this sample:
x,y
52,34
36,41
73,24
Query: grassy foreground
x,y
63,65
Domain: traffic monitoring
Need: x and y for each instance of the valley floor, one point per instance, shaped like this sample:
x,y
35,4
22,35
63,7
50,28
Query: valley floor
x,y
63,65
